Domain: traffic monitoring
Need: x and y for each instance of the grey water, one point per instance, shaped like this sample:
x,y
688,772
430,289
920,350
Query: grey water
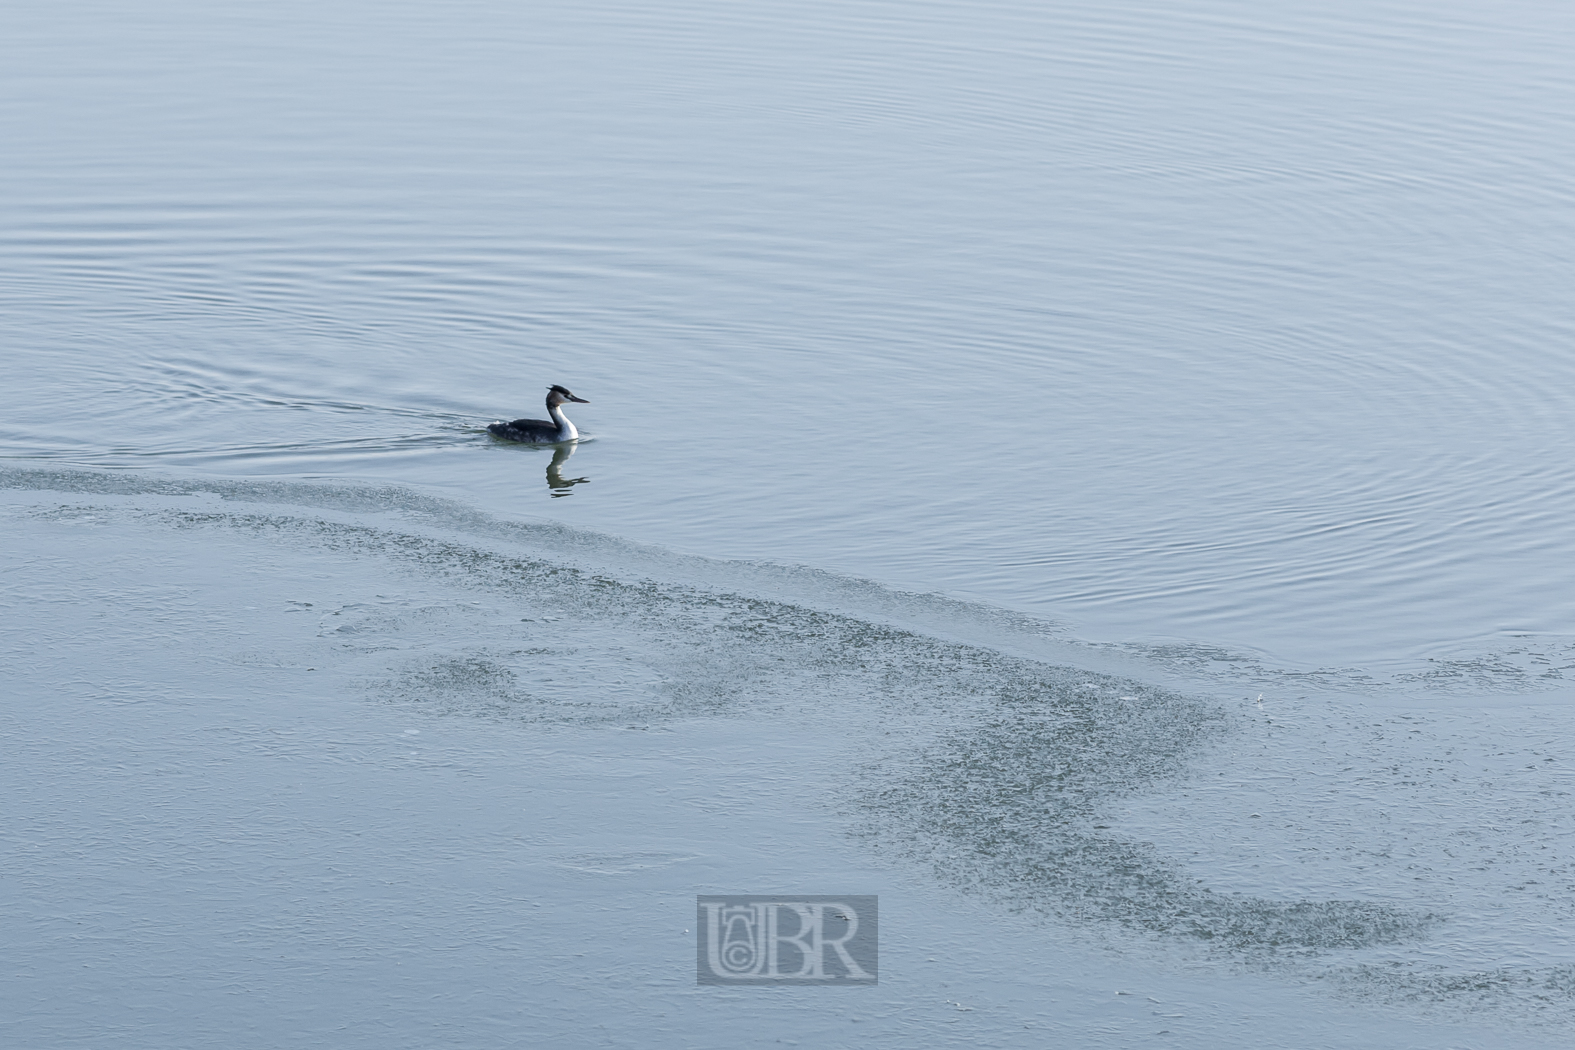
x,y
1097,475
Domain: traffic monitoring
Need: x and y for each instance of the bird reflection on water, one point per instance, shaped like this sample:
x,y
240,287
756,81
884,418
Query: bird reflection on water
x,y
559,484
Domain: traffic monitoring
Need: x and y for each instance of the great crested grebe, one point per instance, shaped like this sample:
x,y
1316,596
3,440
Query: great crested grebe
x,y
540,431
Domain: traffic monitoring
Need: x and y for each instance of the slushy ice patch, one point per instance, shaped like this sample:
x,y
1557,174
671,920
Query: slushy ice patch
x,y
1007,805
997,771
1012,807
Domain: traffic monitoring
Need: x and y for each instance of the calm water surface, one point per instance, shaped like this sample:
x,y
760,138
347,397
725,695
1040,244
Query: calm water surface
x,y
1218,333
1166,321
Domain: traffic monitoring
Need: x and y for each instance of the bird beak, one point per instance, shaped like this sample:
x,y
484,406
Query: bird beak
x,y
581,400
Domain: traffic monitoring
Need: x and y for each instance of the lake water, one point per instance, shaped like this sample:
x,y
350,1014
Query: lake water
x,y
1097,475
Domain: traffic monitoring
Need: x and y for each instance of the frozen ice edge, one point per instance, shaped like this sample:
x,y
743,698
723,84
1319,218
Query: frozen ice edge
x,y
988,783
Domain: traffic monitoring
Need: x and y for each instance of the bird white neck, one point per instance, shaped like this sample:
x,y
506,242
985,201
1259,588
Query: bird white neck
x,y
566,431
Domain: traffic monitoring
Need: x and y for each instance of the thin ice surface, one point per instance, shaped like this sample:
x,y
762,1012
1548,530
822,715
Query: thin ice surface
x,y
294,760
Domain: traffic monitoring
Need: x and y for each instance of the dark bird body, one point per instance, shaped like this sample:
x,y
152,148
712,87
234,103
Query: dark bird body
x,y
543,431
